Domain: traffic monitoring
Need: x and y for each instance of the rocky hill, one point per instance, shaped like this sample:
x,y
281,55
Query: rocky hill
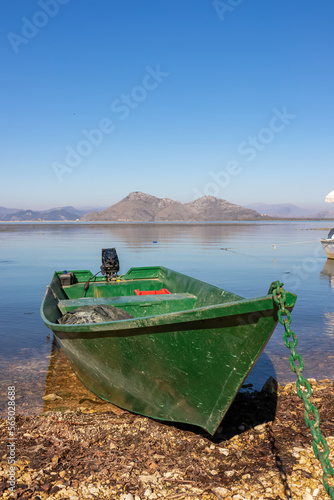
x,y
143,207
211,208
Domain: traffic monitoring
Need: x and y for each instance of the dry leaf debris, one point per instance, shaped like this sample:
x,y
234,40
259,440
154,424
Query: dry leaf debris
x,y
262,451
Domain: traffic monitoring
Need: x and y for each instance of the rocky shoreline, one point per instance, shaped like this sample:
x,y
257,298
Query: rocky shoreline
x,y
263,450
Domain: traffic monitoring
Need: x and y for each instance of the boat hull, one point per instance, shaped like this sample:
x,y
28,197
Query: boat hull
x,y
184,366
328,246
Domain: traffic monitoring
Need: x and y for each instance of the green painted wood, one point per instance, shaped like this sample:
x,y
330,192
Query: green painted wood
x,y
136,305
180,359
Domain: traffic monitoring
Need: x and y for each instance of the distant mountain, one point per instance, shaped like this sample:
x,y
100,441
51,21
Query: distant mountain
x,y
5,211
86,210
284,210
324,214
143,207
54,214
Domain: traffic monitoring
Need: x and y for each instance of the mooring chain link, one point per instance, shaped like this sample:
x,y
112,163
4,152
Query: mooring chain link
x,y
304,391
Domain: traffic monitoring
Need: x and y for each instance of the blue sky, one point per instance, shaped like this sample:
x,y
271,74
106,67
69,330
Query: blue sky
x,y
177,99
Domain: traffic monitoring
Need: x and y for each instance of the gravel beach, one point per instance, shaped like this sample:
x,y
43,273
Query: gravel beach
x,y
263,450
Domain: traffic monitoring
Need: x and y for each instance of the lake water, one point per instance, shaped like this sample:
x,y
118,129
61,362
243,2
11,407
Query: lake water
x,y
243,258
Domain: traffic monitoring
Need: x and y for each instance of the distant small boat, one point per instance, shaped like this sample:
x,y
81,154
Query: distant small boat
x,y
160,343
328,244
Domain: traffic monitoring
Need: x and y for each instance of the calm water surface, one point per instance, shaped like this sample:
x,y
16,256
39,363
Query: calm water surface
x,y
243,258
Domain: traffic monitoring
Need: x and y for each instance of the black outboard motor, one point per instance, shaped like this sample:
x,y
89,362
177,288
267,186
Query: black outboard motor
x,y
331,235
110,262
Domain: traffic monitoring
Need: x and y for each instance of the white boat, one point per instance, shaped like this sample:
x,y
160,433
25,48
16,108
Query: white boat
x,y
328,244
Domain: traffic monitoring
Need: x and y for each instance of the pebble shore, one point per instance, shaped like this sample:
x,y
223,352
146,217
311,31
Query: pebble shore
x,y
263,450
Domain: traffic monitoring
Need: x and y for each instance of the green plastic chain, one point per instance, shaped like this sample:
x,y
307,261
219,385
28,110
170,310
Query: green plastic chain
x,y
304,391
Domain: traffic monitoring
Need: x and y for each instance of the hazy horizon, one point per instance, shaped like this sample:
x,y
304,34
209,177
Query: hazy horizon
x,y
316,208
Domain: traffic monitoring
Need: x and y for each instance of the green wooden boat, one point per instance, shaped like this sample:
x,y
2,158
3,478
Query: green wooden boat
x,y
181,350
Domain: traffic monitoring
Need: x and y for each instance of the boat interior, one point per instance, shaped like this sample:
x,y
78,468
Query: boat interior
x,y
138,295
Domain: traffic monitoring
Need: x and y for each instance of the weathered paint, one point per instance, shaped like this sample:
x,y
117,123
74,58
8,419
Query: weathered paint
x,y
184,355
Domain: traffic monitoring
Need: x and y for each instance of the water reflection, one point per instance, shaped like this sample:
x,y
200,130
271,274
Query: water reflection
x,y
136,235
64,391
329,325
262,370
327,272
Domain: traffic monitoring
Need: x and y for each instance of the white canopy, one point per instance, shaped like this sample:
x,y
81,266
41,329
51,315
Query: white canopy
x,y
330,197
